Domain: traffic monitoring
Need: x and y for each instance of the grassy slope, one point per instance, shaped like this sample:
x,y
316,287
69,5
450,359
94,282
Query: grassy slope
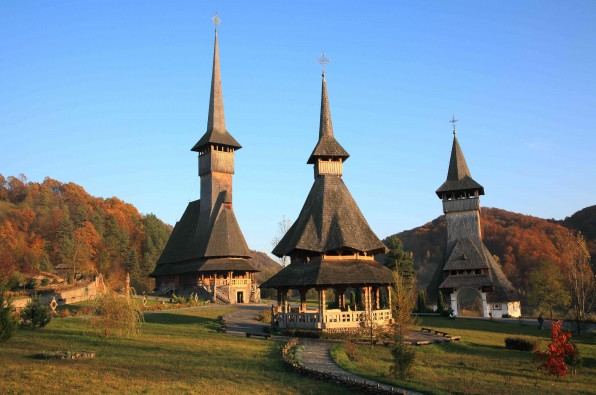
x,y
479,364
178,352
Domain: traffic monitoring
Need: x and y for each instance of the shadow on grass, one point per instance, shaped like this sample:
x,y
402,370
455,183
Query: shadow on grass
x,y
177,319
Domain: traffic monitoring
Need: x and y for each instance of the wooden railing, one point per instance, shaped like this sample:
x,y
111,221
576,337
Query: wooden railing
x,y
333,318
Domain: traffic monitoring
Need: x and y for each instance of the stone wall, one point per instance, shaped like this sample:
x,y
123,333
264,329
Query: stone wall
x,y
67,296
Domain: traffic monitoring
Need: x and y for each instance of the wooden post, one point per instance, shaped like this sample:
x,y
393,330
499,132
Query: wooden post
x,y
377,294
302,299
389,295
323,305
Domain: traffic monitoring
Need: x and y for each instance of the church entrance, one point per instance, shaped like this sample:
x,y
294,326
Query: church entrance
x,y
469,303
239,297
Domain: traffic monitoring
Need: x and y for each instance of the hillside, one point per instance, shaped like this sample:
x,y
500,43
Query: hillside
x,y
520,242
584,221
43,225
267,267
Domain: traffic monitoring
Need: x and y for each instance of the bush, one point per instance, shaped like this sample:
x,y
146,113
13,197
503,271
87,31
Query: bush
x,y
506,315
8,322
116,315
35,314
16,281
264,316
403,360
521,344
179,299
351,351
31,283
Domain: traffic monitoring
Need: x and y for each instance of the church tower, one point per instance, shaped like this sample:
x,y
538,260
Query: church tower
x,y
469,271
206,252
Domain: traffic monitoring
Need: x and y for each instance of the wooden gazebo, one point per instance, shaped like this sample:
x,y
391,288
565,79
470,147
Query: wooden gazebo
x,y
331,246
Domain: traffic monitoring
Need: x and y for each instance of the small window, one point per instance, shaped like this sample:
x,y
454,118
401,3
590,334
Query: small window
x,y
497,306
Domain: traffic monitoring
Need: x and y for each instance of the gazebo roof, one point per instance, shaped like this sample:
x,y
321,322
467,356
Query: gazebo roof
x,y
331,272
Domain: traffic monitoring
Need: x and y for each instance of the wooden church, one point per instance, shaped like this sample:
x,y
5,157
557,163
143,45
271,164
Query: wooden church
x,y
469,274
206,252
331,249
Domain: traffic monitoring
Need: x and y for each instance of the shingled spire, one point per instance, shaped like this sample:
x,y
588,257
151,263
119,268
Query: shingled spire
x,y
468,263
459,178
206,250
216,123
327,147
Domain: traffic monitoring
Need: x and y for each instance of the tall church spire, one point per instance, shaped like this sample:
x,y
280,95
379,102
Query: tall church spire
x,y
216,123
327,147
325,125
458,168
216,119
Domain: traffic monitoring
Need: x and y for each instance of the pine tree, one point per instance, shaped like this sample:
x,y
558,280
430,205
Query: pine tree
x,y
8,322
36,313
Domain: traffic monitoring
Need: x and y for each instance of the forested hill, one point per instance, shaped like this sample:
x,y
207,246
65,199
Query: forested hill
x,y
522,243
584,221
45,224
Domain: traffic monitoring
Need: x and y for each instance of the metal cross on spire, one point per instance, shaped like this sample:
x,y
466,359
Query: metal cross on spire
x,y
216,20
323,61
453,121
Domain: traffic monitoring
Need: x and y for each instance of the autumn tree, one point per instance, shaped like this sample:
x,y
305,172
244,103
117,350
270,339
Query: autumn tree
x,y
578,276
559,349
404,299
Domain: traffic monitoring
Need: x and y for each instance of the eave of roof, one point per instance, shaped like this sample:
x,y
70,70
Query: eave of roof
x,y
329,273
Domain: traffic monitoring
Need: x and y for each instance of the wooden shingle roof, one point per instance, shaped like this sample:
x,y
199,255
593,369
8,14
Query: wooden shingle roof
x,y
327,146
458,175
329,273
216,123
477,257
329,220
196,238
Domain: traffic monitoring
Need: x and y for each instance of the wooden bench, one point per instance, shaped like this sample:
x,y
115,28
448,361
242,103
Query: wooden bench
x,y
426,330
439,333
454,338
265,335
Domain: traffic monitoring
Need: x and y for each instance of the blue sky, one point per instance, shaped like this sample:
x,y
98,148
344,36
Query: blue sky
x,y
113,94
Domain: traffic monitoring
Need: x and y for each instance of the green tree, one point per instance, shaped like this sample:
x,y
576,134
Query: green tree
x,y
156,237
36,313
421,305
399,259
8,322
440,303
546,290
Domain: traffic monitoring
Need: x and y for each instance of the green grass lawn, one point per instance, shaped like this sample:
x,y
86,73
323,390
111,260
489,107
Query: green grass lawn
x,y
177,352
478,364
